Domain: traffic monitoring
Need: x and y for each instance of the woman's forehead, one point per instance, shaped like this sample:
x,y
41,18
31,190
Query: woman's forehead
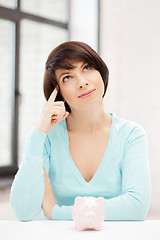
x,y
74,63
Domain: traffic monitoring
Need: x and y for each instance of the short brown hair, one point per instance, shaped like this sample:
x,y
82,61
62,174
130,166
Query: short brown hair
x,y
59,58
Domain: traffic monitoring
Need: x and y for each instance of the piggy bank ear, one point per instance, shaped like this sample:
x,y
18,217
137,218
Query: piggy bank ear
x,y
78,200
100,200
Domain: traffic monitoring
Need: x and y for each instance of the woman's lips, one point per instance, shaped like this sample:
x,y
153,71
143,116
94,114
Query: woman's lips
x,y
88,94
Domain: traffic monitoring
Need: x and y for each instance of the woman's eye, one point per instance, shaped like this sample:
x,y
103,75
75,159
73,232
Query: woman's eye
x,y
87,67
66,77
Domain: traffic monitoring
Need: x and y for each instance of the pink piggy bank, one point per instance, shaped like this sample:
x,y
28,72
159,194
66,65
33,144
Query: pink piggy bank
x,y
88,212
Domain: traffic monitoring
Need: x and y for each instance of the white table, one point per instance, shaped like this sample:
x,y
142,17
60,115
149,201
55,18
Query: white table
x,y
51,230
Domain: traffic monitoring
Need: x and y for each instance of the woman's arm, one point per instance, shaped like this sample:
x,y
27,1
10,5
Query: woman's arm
x,y
134,202
48,200
27,190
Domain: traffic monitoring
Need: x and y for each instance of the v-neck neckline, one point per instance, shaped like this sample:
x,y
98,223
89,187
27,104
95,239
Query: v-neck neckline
x,y
95,176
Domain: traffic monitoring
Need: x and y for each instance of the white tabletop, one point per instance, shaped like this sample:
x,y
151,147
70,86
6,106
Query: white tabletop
x,y
47,230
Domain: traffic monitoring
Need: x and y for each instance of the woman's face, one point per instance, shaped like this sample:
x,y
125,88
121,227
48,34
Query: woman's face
x,y
77,81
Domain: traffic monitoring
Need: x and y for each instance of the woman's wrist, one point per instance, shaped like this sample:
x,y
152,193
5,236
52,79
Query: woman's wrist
x,y
48,210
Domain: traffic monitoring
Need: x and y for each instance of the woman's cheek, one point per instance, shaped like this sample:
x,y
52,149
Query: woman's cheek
x,y
67,95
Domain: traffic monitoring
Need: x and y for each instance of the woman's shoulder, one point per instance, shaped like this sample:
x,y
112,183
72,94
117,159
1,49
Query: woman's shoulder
x,y
125,125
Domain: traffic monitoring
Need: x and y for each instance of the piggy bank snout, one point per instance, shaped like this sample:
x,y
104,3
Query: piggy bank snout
x,y
90,215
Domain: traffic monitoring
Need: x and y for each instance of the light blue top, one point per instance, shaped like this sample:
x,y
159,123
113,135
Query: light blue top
x,y
123,177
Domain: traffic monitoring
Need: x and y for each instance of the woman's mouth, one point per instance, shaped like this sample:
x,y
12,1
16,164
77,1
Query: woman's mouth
x,y
87,95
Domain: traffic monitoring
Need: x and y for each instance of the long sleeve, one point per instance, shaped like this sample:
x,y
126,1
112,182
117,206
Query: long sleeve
x,y
27,189
134,202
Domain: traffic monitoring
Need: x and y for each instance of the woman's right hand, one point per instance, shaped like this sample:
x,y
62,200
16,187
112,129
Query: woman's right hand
x,y
52,113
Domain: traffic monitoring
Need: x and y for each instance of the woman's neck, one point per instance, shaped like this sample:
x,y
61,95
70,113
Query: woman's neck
x,y
88,121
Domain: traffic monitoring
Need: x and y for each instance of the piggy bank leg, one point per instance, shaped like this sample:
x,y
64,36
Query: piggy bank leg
x,y
79,227
98,227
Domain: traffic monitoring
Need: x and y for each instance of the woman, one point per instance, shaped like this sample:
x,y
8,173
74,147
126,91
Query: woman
x,y
77,149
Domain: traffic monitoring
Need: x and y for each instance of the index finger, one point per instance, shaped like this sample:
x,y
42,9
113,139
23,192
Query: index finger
x,y
53,95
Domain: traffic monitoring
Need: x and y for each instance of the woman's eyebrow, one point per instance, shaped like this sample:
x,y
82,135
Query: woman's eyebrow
x,y
83,64
69,72
63,74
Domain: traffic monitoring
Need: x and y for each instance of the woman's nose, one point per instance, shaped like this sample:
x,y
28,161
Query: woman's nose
x,y
82,81
81,86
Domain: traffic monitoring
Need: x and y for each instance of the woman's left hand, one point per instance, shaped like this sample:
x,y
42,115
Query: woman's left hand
x,y
48,200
